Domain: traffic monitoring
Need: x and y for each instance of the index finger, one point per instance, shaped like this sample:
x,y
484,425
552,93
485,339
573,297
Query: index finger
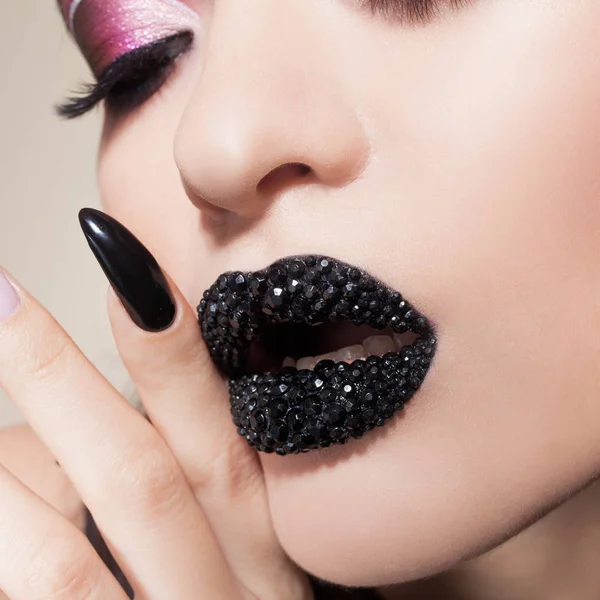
x,y
122,468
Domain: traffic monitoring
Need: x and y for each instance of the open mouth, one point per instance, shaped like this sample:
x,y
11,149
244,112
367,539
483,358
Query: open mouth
x,y
317,351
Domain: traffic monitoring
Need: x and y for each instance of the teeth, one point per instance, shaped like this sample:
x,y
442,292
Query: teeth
x,y
398,341
288,361
403,339
308,362
350,353
374,345
328,356
379,344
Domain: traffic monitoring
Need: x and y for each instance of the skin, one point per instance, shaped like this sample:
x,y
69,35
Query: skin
x,y
26,458
460,166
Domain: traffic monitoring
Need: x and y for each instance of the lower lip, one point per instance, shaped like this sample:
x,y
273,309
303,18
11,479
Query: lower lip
x,y
295,411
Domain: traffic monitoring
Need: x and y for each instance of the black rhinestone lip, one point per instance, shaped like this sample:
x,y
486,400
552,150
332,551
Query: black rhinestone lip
x,y
295,411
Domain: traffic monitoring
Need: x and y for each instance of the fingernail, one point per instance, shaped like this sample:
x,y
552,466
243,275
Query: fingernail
x,y
9,299
132,271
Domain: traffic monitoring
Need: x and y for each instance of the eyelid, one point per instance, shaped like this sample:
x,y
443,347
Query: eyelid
x,y
412,12
105,30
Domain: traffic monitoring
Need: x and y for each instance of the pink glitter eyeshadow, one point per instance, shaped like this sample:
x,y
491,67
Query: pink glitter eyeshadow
x,y
107,29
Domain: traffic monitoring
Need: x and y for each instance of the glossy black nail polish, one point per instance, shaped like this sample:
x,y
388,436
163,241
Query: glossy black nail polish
x,y
132,271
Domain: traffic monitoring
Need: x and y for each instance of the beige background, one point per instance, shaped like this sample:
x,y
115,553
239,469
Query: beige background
x,y
47,173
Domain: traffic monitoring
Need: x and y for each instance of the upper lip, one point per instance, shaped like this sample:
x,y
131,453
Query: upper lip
x,y
240,306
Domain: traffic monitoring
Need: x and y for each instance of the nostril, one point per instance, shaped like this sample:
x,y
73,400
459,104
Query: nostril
x,y
283,175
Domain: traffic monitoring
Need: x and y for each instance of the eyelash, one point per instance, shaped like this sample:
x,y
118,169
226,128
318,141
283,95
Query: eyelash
x,y
130,80
410,11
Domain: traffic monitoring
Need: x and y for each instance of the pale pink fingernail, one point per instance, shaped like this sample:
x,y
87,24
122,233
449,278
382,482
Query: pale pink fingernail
x,y
9,299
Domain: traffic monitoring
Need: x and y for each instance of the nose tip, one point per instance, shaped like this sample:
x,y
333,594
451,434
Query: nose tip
x,y
242,165
266,116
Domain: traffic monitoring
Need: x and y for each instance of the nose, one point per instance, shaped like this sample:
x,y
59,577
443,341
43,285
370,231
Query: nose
x,y
270,110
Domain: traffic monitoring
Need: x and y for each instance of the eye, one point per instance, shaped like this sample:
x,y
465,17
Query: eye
x,y
130,80
411,11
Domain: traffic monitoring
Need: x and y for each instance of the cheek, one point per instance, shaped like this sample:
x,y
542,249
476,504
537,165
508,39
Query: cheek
x,y
493,181
140,186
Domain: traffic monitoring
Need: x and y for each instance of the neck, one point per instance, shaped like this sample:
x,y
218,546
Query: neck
x,y
553,559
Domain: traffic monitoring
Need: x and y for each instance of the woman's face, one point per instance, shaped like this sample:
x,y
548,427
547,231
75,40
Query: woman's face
x,y
457,160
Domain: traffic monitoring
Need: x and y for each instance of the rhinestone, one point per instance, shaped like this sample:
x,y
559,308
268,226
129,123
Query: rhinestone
x,y
354,421
310,261
355,374
404,393
319,307
258,421
415,382
324,266
367,284
223,282
237,283
369,399
296,396
398,325
373,372
352,405
338,277
330,294
317,428
348,390
354,275
323,366
338,433
334,414
312,276
374,305
276,298
300,308
350,291
258,285
327,395
363,299
380,386
342,307
295,419
279,432
294,286
277,274
312,407
315,383
311,292
296,268
279,389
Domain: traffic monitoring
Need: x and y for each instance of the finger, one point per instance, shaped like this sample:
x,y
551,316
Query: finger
x,y
189,406
23,454
121,467
187,401
42,555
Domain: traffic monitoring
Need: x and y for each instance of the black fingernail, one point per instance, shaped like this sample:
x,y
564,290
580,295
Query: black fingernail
x,y
132,271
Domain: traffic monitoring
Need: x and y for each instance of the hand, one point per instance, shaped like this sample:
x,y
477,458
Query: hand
x,y
22,453
181,501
